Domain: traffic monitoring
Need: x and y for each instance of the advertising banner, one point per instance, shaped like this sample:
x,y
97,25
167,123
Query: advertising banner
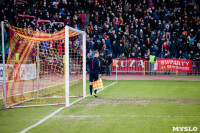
x,y
184,65
27,71
128,66
9,66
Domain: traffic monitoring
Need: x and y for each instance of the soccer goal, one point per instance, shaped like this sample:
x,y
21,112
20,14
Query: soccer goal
x,y
45,68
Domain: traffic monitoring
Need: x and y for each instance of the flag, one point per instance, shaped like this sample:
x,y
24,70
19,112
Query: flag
x,y
98,84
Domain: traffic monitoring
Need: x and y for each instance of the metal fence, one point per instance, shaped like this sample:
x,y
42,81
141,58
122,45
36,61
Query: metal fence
x,y
159,67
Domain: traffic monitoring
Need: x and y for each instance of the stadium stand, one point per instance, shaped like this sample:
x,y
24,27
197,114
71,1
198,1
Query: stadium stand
x,y
169,28
128,29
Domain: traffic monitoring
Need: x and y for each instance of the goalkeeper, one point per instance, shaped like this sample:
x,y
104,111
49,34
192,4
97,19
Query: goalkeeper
x,y
95,71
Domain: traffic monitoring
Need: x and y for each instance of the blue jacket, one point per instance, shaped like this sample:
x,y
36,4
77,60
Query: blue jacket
x,y
108,44
94,65
156,15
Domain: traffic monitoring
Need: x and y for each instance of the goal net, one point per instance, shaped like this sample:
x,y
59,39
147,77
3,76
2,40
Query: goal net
x,y
45,68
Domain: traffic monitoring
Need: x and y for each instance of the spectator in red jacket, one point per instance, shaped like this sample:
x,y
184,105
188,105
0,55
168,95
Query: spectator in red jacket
x,y
82,20
151,4
67,21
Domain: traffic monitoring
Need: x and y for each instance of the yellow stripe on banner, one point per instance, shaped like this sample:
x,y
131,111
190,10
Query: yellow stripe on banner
x,y
64,59
41,36
42,39
2,92
25,53
17,56
12,47
31,32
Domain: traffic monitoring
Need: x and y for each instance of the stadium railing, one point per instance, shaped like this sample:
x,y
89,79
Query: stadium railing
x,y
159,67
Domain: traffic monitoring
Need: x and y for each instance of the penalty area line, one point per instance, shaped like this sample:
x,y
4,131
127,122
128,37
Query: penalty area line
x,y
58,110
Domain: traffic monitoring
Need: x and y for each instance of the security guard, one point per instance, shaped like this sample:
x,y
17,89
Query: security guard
x,y
152,59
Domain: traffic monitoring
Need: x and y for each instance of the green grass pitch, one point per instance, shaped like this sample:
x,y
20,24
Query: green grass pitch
x,y
125,107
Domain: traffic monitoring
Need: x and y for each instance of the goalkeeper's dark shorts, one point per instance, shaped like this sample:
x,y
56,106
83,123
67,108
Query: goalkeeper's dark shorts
x,y
94,75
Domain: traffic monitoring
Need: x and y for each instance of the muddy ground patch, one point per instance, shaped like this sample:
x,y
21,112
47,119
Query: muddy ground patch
x,y
134,101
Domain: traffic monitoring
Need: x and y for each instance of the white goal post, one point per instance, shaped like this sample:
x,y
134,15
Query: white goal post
x,y
67,70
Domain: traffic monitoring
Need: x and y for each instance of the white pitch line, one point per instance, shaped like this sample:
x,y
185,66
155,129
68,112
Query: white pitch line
x,y
55,112
122,116
89,95
41,121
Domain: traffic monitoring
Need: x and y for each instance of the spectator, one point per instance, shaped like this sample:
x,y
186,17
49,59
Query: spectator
x,y
102,62
67,21
108,62
121,56
197,63
114,48
152,59
180,55
104,49
121,50
82,20
6,52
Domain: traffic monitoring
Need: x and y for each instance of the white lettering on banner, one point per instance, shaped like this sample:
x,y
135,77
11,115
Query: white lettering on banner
x,y
141,63
166,62
122,63
174,62
131,64
162,62
171,61
178,63
194,129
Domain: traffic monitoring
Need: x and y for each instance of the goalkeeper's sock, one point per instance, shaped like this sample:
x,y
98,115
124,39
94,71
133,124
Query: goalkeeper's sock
x,y
95,91
90,89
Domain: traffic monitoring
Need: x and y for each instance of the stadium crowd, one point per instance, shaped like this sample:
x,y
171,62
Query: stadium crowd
x,y
42,15
168,28
47,16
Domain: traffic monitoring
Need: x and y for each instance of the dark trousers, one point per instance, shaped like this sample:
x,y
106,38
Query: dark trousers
x,y
108,71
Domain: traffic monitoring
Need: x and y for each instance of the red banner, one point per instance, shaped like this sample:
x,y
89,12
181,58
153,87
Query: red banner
x,y
184,65
128,66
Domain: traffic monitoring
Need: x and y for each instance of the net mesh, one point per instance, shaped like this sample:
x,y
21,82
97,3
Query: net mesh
x,y
40,81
